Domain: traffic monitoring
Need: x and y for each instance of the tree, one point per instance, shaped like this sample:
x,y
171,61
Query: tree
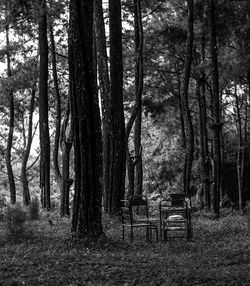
x,y
66,143
200,77
138,94
189,134
134,158
58,107
241,127
12,185
216,114
104,83
25,182
118,151
86,220
43,108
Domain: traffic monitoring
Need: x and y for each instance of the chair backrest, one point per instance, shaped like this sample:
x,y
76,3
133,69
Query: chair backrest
x,y
138,205
177,200
138,200
125,211
174,204
133,208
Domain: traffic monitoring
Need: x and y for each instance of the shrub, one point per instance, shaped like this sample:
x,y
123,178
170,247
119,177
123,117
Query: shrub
x,y
34,209
15,216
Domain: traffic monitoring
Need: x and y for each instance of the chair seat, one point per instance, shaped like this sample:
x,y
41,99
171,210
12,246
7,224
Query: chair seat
x,y
175,228
150,220
176,218
138,224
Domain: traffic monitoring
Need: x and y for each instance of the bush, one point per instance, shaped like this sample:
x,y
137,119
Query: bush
x,y
34,209
15,217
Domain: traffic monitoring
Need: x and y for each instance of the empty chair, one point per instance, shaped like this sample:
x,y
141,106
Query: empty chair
x,y
134,215
175,218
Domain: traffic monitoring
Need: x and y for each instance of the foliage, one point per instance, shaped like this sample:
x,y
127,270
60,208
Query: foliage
x,y
15,217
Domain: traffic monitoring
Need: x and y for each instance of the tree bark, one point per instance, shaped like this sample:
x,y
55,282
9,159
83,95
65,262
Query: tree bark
x,y
11,179
201,94
216,125
241,126
57,171
86,220
25,183
66,143
118,138
138,94
189,134
43,108
104,83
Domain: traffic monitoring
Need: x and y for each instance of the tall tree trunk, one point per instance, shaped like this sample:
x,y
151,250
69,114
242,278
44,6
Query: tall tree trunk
x,y
248,84
25,183
104,83
216,113
189,134
86,220
11,179
201,88
241,146
130,173
204,141
138,94
43,108
182,122
57,171
66,143
118,138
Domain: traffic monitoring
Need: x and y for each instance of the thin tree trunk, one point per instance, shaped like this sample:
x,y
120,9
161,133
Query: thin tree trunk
x,y
138,94
25,183
11,179
201,95
216,113
57,171
130,174
189,134
66,145
104,83
182,123
248,83
203,118
241,148
43,109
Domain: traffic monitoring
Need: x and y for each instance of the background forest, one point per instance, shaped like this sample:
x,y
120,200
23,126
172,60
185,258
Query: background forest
x,y
173,81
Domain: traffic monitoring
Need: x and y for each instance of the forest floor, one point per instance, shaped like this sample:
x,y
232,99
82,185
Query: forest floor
x,y
218,255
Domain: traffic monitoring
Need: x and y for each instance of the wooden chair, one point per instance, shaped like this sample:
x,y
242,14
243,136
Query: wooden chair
x,y
134,215
175,217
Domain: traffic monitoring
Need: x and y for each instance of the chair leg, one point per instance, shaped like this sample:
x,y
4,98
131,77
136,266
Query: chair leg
x,y
156,233
147,233
123,233
165,234
131,235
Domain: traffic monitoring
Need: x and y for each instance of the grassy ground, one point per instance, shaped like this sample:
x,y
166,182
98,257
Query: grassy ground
x,y
218,255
